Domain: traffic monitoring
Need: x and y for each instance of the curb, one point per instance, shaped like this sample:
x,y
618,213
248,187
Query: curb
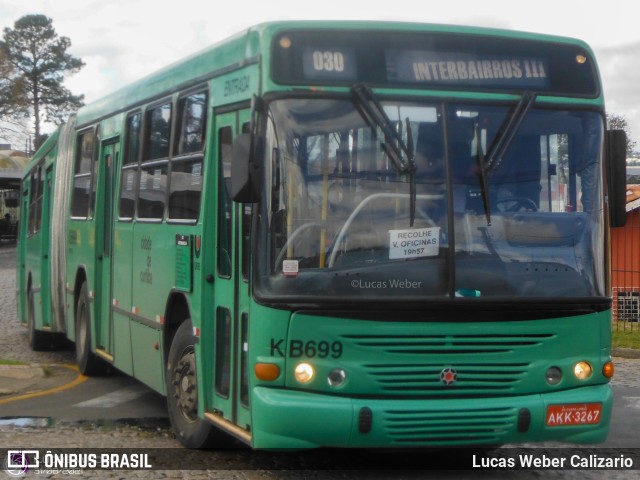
x,y
625,352
22,372
24,391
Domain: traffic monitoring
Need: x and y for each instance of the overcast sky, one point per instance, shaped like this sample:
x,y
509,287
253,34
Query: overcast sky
x,y
122,40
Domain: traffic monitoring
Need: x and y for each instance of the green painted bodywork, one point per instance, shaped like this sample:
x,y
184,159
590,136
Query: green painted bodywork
x,y
34,249
392,367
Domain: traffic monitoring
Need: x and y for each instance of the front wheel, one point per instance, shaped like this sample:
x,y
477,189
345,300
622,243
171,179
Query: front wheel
x,y
182,393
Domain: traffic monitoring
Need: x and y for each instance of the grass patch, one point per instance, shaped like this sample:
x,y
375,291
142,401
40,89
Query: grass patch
x,y
12,362
625,335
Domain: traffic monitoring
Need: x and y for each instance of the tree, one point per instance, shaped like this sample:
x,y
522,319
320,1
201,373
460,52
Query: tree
x,y
618,122
13,103
12,99
40,56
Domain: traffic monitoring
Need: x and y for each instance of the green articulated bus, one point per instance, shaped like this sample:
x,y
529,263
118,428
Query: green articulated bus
x,y
353,234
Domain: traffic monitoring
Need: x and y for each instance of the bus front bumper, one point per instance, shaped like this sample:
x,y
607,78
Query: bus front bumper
x,y
294,419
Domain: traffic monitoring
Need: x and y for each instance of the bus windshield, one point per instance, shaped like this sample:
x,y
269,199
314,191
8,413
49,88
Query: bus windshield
x,y
481,212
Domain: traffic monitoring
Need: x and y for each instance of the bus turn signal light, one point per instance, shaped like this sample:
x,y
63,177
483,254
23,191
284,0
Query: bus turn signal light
x,y
608,369
267,371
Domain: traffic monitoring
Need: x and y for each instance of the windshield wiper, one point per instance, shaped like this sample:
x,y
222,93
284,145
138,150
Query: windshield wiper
x,y
375,116
393,146
499,146
509,129
482,173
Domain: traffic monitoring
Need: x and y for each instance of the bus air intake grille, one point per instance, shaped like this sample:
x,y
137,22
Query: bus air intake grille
x,y
478,364
450,344
471,378
449,427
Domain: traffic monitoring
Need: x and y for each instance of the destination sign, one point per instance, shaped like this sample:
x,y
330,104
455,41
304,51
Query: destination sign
x,y
433,60
326,63
462,69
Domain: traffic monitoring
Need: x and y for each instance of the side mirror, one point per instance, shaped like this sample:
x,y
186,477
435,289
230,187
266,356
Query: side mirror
x,y
616,153
244,178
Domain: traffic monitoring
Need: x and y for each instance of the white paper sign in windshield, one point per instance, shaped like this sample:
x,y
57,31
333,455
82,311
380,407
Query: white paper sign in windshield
x,y
414,243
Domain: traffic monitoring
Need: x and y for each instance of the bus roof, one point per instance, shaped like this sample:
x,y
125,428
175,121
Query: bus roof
x,y
247,46
42,152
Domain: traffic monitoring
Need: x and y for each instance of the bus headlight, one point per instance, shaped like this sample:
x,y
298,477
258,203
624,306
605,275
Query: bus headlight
x,y
337,377
582,370
304,372
553,375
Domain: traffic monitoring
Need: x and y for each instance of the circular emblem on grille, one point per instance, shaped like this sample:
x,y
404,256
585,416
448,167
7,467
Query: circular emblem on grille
x,y
448,376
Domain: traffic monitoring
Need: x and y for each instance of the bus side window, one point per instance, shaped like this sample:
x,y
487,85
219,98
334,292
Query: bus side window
x,y
35,201
193,123
187,167
154,168
82,198
130,159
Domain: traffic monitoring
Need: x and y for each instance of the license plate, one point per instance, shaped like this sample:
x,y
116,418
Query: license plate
x,y
574,414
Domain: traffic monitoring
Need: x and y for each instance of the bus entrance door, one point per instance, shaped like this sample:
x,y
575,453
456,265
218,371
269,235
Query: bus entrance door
x,y
229,400
104,240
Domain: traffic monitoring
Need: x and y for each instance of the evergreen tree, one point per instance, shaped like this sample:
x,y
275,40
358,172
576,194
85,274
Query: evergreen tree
x,y
12,99
40,57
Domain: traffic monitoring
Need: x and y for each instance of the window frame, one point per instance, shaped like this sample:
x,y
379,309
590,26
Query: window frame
x,y
36,184
133,165
91,174
179,158
146,162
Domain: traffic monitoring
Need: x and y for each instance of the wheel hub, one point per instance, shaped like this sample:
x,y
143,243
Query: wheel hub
x,y
185,386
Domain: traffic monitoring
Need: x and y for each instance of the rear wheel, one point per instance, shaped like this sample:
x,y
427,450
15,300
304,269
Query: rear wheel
x,y
182,393
88,362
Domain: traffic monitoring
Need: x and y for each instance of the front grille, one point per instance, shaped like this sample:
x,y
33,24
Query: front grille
x,y
425,427
449,344
483,363
471,379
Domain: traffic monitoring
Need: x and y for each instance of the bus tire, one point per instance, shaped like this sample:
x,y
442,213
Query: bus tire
x,y
182,393
38,340
88,363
